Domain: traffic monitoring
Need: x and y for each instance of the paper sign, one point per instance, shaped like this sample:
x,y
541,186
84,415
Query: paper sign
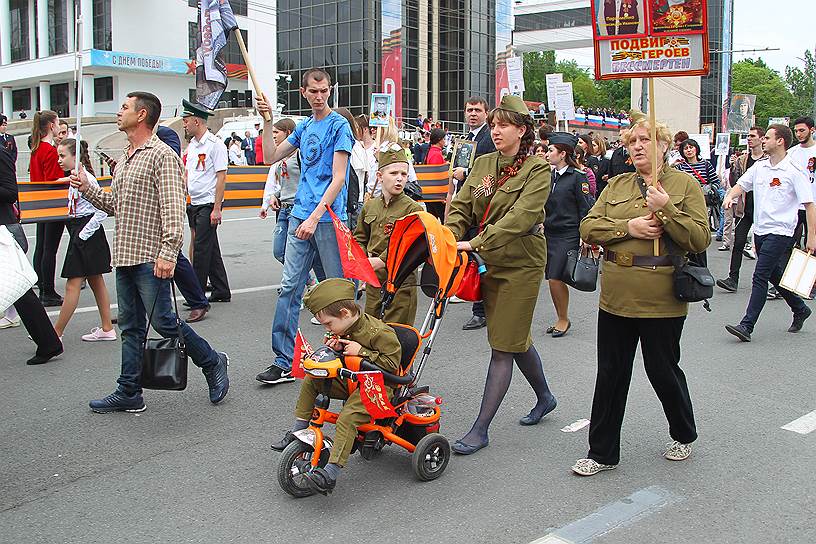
x,y
515,75
705,145
552,80
800,274
723,142
779,121
564,104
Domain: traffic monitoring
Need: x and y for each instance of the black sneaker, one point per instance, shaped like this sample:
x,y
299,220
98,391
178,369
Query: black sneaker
x,y
773,294
275,374
118,402
217,379
740,331
799,320
729,284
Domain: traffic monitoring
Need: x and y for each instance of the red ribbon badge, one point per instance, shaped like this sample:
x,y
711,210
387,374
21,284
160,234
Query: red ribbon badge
x,y
775,182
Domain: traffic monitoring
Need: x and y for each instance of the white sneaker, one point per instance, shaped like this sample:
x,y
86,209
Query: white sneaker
x,y
677,451
98,335
590,467
6,323
455,300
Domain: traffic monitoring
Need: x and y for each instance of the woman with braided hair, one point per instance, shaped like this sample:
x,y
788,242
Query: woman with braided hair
x,y
504,196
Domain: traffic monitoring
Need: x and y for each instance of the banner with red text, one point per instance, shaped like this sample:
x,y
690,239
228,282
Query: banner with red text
x,y
392,54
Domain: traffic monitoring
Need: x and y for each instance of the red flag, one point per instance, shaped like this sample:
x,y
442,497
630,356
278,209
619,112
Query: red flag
x,y
352,257
374,395
302,349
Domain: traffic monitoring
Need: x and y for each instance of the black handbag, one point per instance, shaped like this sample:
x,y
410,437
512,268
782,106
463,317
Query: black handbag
x,y
581,270
164,361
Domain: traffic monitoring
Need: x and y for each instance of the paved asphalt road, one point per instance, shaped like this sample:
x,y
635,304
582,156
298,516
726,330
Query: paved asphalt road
x,y
187,471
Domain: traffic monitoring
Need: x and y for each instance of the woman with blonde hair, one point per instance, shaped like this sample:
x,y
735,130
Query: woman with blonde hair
x,y
637,301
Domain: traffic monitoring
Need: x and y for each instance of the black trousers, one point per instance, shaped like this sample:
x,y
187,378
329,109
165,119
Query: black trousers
x,y
800,233
207,261
660,344
45,254
741,236
36,322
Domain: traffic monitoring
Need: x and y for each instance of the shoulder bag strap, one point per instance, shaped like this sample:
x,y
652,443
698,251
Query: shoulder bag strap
x,y
696,173
175,307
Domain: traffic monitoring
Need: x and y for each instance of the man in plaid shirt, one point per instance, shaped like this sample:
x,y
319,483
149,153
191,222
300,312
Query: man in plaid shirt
x,y
147,198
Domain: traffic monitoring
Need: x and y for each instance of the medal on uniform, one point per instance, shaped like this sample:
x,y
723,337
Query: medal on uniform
x,y
201,158
388,228
485,188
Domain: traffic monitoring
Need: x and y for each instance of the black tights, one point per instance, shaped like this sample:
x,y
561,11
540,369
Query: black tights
x,y
499,374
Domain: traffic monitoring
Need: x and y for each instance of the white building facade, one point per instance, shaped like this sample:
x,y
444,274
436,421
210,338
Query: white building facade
x,y
127,45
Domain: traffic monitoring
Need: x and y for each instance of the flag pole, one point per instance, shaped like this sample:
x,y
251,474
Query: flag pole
x,y
653,135
251,70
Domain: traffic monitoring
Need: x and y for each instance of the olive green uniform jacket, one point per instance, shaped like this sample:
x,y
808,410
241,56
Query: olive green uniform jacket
x,y
381,347
372,233
635,291
511,243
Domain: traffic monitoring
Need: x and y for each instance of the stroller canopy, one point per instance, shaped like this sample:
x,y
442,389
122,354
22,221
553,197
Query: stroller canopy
x,y
417,238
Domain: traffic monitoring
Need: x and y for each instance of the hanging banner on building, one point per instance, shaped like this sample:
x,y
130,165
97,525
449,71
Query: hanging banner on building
x,y
650,38
504,47
392,54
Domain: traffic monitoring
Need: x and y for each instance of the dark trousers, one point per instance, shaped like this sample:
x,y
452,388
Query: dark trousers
x,y
187,282
207,260
45,254
800,233
660,345
773,252
741,237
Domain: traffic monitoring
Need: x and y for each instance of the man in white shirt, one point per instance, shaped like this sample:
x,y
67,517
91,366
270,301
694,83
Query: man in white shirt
x,y
779,187
207,161
803,155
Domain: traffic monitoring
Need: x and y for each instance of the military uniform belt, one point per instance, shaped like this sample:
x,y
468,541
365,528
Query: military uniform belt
x,y
624,258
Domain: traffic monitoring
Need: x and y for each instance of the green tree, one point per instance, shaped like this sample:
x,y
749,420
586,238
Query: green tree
x,y
774,99
800,83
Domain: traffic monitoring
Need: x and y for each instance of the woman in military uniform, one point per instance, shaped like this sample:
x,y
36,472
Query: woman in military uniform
x,y
504,196
637,302
570,200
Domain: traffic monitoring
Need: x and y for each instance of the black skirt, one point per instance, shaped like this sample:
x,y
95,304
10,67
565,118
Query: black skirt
x,y
89,257
557,246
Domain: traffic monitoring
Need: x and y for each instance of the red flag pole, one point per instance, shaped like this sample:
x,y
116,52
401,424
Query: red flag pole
x,y
250,69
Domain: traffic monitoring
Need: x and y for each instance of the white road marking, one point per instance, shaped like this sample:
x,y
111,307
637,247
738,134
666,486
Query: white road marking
x,y
551,539
577,426
86,309
803,425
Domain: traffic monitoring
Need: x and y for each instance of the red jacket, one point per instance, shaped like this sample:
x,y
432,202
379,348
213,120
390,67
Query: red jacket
x,y
259,150
44,165
435,155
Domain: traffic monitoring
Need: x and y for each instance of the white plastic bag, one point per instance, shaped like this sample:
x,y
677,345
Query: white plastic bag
x,y
16,274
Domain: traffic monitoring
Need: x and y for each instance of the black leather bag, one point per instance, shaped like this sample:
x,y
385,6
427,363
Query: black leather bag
x,y
581,270
692,283
164,361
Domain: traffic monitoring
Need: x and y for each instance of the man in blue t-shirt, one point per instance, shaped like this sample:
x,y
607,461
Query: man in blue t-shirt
x,y
325,141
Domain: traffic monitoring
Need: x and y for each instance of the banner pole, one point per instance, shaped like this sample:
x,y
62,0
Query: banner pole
x,y
251,70
653,135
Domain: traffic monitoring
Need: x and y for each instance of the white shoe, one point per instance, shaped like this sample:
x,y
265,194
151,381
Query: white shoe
x,y
677,451
456,300
98,335
6,323
590,467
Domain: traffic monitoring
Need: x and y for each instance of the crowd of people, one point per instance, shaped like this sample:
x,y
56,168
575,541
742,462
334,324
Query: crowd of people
x,y
530,195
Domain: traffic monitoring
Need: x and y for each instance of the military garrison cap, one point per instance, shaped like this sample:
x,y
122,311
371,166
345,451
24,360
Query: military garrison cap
x,y
513,103
390,153
194,110
328,292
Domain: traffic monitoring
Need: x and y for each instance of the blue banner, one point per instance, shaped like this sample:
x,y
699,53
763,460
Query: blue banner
x,y
141,63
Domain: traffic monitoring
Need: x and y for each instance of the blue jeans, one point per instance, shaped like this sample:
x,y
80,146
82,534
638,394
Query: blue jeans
x,y
279,243
773,252
136,290
300,255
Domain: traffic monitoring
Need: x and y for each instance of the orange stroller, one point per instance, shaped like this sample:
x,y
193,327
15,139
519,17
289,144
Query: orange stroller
x,y
416,239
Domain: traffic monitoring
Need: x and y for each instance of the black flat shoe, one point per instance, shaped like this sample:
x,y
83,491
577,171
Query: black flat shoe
x,y
530,419
466,449
219,299
475,322
287,439
44,358
318,479
556,333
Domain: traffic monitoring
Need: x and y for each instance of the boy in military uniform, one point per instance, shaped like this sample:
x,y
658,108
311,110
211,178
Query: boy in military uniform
x,y
358,334
374,228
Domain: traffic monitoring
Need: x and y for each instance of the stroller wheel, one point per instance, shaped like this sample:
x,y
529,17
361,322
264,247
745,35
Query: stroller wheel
x,y
431,456
295,461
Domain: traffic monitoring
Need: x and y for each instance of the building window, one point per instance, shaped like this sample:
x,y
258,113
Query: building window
x,y
18,10
57,27
102,36
103,89
232,53
21,99
239,7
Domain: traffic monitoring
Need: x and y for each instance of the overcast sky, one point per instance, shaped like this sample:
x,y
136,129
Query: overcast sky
x,y
783,24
